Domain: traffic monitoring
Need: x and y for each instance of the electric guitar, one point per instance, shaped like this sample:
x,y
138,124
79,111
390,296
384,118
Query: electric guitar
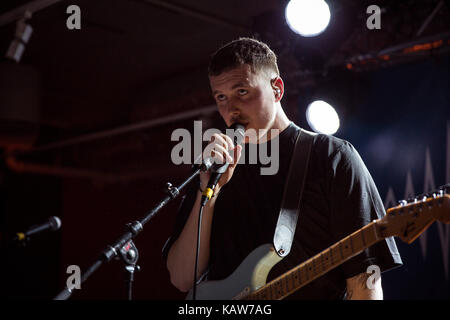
x,y
248,282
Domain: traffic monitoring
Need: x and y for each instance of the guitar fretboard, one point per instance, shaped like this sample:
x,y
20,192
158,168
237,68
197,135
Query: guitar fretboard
x,y
318,265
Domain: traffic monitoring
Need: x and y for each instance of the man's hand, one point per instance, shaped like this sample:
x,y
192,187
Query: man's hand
x,y
219,148
357,288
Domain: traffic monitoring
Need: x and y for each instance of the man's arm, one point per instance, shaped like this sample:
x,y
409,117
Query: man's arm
x,y
181,256
357,288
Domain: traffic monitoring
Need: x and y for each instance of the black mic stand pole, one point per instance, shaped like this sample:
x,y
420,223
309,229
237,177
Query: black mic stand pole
x,y
125,246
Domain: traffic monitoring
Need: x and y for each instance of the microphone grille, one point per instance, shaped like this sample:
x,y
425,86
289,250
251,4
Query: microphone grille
x,y
237,126
239,132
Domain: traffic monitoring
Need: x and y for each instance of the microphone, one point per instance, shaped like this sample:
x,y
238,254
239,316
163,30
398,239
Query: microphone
x,y
237,134
53,224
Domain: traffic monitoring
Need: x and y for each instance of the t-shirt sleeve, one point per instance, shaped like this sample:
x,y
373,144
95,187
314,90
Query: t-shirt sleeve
x,y
182,215
355,202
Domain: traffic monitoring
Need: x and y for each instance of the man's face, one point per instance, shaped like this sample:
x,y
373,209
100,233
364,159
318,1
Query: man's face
x,y
246,97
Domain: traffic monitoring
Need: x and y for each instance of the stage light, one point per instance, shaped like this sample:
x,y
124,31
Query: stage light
x,y
308,18
322,117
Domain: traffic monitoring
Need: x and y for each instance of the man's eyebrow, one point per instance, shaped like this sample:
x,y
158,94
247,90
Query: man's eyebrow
x,y
237,85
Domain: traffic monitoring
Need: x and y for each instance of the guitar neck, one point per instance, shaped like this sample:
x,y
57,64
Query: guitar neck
x,y
319,264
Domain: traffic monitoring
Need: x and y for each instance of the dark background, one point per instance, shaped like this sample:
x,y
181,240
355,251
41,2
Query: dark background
x,y
87,115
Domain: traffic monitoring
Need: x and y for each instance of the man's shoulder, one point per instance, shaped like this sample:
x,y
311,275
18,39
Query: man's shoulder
x,y
328,145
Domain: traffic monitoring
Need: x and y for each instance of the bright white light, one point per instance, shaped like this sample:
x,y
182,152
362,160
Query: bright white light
x,y
308,18
322,117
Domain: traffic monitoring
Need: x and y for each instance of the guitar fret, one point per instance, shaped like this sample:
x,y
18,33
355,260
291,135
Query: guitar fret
x,y
306,272
280,286
314,267
301,273
287,284
372,236
346,250
293,279
363,238
358,242
323,262
340,248
351,244
273,292
297,277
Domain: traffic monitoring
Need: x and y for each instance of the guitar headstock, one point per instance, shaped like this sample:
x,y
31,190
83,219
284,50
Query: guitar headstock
x,y
412,217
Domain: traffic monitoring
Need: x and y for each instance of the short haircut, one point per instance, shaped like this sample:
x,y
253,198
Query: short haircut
x,y
243,51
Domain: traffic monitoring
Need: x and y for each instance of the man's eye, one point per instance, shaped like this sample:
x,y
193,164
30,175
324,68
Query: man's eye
x,y
242,92
220,97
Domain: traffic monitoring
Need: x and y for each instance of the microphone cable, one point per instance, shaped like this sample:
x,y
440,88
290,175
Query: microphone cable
x,y
200,214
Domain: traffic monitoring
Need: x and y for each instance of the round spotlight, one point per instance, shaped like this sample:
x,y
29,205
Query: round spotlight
x,y
308,18
322,117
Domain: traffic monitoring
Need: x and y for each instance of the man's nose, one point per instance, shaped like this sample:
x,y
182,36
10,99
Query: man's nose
x,y
233,109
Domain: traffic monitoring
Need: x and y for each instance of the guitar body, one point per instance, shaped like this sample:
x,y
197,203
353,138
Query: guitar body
x,y
248,277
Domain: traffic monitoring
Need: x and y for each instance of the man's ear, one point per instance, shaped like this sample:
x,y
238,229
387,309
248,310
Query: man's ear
x,y
278,88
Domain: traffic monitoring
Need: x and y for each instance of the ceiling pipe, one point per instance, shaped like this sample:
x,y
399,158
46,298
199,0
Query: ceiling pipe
x,y
398,49
430,17
27,167
198,15
118,131
70,172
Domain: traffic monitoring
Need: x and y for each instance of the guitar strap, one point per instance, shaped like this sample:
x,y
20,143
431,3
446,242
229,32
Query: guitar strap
x,y
293,190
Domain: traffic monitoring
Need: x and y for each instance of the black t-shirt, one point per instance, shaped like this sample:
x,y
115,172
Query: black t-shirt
x,y
339,198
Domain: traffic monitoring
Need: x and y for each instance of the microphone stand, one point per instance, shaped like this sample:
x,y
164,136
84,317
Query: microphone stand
x,y
124,244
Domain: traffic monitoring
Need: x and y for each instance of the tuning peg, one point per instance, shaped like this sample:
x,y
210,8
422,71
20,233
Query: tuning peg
x,y
402,203
445,189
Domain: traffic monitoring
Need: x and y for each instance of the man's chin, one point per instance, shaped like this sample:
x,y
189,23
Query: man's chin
x,y
251,136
